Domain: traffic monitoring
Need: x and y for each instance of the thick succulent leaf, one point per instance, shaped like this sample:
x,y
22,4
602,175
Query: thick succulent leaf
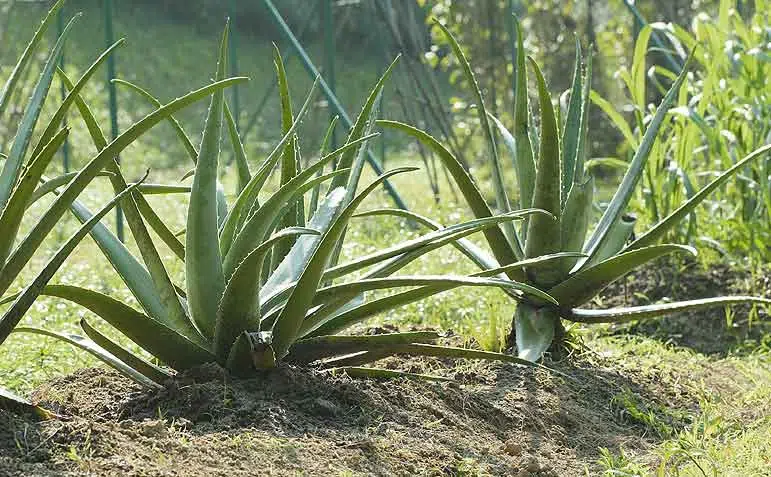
x,y
12,215
291,318
523,152
660,229
534,330
40,230
501,198
579,175
159,226
290,269
429,286
316,193
132,272
172,311
247,199
9,87
621,315
312,349
289,165
133,361
72,96
571,131
380,373
95,350
161,341
242,164
425,243
181,134
543,231
15,160
240,305
501,248
584,285
205,279
49,185
618,235
623,194
420,349
259,223
575,220
359,130
480,257
30,293
17,404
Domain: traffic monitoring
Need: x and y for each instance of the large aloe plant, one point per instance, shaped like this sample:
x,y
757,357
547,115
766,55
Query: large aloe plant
x,y
23,171
553,177
246,311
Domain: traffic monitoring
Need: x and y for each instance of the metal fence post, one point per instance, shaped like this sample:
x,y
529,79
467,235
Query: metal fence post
x,y
107,4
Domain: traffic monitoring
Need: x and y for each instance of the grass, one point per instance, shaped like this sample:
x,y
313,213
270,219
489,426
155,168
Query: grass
x,y
726,434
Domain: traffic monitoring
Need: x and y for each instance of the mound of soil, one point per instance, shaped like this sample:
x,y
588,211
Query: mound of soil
x,y
495,419
706,331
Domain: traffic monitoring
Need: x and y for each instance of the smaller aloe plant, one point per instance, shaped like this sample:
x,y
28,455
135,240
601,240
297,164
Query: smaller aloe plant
x,y
553,177
262,282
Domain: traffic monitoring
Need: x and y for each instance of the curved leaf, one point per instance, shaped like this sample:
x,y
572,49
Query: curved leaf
x,y
621,315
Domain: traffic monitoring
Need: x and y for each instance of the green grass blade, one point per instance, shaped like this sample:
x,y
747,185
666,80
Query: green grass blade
x,y
12,215
145,368
616,118
621,315
291,318
15,161
501,248
97,351
584,285
660,229
624,193
544,231
203,264
28,296
10,85
240,304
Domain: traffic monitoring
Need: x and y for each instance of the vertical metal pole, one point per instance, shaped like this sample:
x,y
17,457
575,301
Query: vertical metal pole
x,y
66,145
329,52
109,38
232,45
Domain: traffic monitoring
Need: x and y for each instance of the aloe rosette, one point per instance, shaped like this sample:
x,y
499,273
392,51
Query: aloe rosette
x,y
553,177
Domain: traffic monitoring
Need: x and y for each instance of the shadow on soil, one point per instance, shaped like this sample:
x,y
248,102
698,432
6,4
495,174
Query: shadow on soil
x,y
712,332
495,420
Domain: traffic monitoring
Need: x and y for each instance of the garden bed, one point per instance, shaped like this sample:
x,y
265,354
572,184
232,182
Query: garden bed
x,y
494,420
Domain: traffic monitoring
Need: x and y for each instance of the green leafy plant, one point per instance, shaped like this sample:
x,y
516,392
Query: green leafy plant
x,y
552,176
722,113
22,180
262,282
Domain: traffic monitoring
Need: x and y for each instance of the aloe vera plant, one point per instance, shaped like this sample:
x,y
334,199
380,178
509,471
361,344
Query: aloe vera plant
x,y
21,175
553,177
262,280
